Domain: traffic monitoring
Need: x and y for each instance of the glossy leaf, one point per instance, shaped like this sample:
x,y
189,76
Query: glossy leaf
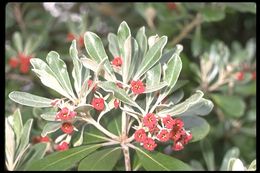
x,y
152,56
208,154
50,127
59,68
77,67
25,136
62,160
18,42
18,126
117,92
27,99
233,106
183,106
156,161
102,160
202,107
231,153
198,126
49,116
96,51
113,44
173,70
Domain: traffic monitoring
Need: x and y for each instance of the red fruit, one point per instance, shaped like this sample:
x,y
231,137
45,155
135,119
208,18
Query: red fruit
x,y
239,76
62,146
163,136
24,68
177,146
81,41
150,120
13,62
175,134
137,87
117,61
178,123
253,75
149,144
98,103
45,139
140,135
168,122
67,128
186,138
70,37
116,103
171,5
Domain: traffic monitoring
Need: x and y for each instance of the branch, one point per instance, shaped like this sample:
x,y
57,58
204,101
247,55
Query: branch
x,y
187,29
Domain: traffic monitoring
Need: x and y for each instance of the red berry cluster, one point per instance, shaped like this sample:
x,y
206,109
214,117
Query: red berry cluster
x,y
117,61
66,116
137,87
79,39
171,6
22,60
170,129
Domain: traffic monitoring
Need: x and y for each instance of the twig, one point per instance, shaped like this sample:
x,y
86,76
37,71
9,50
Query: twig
x,y
125,149
18,16
187,29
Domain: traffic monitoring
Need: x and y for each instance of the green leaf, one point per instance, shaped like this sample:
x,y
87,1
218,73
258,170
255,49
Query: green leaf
x,y
243,6
29,99
96,51
252,166
208,154
80,139
155,87
212,14
59,68
152,56
153,77
49,116
183,106
196,44
102,160
134,60
117,92
9,143
127,55
173,70
25,137
62,160
93,135
113,44
233,106
114,123
50,127
156,161
18,42
77,67
37,152
198,126
231,153
202,107
18,126
142,43
47,76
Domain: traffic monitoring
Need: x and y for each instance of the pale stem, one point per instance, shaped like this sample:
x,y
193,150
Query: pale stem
x,y
110,143
125,149
124,123
101,128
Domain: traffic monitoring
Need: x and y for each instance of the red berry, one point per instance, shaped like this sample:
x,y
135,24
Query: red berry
x,y
13,62
253,75
140,135
67,128
117,61
98,103
150,120
116,103
149,144
81,41
70,37
62,146
24,68
171,5
137,87
45,139
163,136
177,146
168,122
239,75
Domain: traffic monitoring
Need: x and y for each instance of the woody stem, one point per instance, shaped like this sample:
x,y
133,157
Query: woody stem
x,y
125,149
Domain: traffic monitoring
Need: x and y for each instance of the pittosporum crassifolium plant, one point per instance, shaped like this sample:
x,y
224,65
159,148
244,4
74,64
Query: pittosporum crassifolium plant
x,y
125,106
